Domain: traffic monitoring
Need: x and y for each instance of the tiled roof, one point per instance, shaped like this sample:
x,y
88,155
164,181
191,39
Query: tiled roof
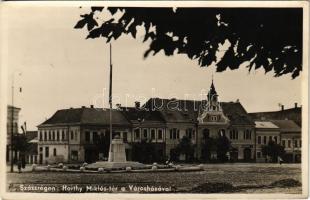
x,y
287,125
174,110
96,116
236,113
135,115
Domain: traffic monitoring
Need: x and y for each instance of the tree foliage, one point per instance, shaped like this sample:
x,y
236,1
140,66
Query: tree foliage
x,y
269,38
144,152
273,150
221,145
186,148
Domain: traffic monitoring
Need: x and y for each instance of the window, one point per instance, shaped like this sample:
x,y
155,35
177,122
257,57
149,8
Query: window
x,y
95,137
160,134
54,152
233,134
300,143
153,134
87,136
265,140
46,152
125,136
174,133
275,139
247,134
189,133
75,135
137,133
41,149
74,155
45,136
283,143
259,154
289,143
57,135
270,138
72,135
145,133
49,135
40,137
296,144
259,140
53,135
214,118
63,136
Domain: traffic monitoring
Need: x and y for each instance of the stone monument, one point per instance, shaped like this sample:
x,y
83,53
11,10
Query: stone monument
x,y
117,158
117,151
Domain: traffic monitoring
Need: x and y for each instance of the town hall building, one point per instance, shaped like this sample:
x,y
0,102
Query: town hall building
x,y
82,134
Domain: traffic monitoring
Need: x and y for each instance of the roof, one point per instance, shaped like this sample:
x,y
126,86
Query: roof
x,y
287,125
31,135
291,114
236,113
136,115
212,92
89,116
265,124
174,110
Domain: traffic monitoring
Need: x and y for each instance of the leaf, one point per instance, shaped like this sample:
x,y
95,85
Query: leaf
x,y
95,33
80,24
95,8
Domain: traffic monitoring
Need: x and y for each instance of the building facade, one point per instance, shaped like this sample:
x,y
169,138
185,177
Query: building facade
x,y
83,135
266,131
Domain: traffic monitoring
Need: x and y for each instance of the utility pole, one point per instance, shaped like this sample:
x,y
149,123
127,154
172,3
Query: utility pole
x,y
110,103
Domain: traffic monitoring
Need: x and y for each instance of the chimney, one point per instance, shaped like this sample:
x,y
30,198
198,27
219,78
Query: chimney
x,y
137,104
237,101
83,106
282,107
296,105
91,106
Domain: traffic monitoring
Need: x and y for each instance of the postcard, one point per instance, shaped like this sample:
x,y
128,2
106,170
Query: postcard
x,y
154,99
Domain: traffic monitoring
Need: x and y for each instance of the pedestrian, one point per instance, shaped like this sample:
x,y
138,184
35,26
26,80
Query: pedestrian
x,y
280,160
19,166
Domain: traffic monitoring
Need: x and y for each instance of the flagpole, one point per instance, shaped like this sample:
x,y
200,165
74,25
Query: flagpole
x,y
110,102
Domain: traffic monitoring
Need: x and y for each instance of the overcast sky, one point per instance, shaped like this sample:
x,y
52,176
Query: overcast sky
x,y
57,68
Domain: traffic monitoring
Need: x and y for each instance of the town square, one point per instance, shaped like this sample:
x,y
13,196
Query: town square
x,y
156,100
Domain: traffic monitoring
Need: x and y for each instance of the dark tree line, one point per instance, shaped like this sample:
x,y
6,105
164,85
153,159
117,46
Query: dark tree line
x,y
269,38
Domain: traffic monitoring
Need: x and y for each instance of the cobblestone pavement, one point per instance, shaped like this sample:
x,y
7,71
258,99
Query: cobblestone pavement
x,y
236,174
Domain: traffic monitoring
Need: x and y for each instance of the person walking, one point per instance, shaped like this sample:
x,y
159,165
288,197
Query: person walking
x,y
280,160
19,166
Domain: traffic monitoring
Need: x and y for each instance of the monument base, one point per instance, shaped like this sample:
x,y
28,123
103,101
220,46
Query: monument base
x,y
117,158
115,165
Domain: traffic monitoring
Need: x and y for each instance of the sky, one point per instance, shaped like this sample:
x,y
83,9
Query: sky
x,y
58,69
